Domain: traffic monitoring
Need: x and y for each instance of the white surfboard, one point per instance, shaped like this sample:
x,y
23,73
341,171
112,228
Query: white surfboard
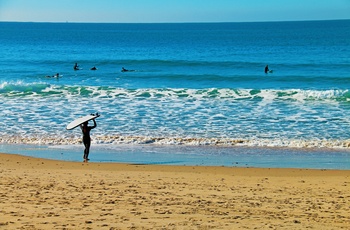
x,y
81,120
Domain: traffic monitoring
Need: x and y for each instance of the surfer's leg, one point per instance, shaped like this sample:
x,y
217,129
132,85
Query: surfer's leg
x,y
85,153
86,150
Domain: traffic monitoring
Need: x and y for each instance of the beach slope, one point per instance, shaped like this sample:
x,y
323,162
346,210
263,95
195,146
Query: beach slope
x,y
47,194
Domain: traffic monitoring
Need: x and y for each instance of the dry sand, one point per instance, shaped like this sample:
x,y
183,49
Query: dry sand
x,y
46,194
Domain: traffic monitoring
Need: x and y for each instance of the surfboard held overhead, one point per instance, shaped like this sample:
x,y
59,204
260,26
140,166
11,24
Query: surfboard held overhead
x,y
81,120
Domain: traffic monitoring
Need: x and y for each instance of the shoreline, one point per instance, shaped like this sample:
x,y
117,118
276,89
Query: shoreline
x,y
253,157
39,193
43,163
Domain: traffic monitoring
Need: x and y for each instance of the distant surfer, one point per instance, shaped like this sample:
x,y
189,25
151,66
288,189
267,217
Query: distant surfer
x,y
93,68
86,138
76,67
54,76
267,69
127,70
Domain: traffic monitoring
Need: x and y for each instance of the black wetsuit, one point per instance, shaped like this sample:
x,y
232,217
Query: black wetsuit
x,y
267,69
86,138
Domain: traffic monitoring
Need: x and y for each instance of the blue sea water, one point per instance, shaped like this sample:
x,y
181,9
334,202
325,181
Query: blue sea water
x,y
195,85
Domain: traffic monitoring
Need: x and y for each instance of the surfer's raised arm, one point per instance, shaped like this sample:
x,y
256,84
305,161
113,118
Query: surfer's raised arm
x,y
94,124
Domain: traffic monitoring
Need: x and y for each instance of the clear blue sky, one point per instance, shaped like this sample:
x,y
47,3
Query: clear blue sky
x,y
172,10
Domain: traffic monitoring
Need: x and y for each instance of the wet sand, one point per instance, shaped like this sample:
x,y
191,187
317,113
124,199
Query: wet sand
x,y
46,194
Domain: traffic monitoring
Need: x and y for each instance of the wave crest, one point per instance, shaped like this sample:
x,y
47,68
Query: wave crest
x,y
43,89
183,141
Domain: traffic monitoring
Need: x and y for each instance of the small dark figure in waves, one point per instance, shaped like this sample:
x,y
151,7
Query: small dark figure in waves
x,y
267,69
57,75
127,70
76,67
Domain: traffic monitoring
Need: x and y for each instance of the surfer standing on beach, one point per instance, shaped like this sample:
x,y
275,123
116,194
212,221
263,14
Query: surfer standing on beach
x,y
86,138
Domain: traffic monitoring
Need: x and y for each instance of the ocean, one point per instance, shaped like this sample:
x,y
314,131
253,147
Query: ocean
x,y
197,93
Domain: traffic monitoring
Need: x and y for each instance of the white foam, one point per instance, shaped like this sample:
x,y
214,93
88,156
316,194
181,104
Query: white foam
x,y
263,119
142,140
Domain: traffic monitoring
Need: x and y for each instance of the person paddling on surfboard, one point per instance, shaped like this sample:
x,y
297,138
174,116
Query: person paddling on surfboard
x,y
86,138
127,70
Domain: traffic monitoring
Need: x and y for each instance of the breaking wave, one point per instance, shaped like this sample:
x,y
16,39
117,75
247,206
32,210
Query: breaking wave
x,y
177,141
48,90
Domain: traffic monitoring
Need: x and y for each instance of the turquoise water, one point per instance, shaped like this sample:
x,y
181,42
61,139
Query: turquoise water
x,y
200,84
193,155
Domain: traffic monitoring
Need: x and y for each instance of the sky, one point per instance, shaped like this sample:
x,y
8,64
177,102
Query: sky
x,y
154,11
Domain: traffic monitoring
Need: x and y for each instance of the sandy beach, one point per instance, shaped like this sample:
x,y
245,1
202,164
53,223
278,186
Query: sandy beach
x,y
46,194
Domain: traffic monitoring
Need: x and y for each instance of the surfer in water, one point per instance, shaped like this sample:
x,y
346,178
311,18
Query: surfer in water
x,y
267,69
76,67
54,76
86,138
127,70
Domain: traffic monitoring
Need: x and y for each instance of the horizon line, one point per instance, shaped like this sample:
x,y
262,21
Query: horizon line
x,y
76,22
